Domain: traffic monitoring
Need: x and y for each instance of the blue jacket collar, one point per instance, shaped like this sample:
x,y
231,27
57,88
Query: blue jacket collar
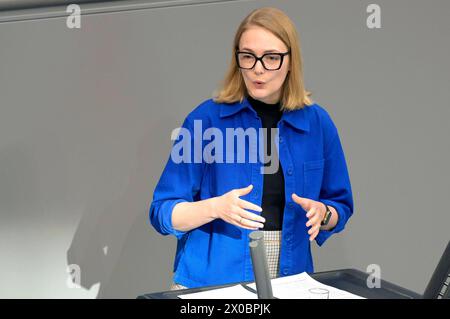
x,y
231,109
298,118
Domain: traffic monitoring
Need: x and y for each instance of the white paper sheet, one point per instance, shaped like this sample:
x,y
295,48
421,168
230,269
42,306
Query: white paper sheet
x,y
233,292
298,287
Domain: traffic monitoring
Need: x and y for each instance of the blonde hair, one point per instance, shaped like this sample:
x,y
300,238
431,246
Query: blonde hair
x,y
293,93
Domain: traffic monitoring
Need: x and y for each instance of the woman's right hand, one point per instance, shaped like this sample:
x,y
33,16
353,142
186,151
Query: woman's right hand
x,y
230,208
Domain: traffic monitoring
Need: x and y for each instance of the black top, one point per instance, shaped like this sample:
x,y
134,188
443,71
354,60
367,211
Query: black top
x,y
273,190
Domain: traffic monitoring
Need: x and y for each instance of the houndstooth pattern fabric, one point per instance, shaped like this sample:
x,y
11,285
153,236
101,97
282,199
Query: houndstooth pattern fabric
x,y
272,243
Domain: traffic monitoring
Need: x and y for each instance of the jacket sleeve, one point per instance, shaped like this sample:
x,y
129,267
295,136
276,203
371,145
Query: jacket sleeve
x,y
336,189
179,182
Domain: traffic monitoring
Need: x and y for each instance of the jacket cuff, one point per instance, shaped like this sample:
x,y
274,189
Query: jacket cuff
x,y
165,213
325,234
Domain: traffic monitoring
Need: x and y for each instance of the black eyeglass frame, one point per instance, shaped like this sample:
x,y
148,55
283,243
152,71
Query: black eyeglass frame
x,y
282,55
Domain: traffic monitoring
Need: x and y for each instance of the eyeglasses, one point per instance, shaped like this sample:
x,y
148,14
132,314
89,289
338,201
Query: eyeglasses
x,y
270,61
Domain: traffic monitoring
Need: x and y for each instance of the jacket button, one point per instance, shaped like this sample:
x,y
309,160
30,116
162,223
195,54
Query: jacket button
x,y
280,139
290,171
285,272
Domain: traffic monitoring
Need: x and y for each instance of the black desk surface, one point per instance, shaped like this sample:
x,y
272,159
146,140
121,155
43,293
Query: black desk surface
x,y
351,280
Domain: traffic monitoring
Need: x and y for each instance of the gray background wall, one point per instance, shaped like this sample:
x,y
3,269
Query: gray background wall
x,y
86,116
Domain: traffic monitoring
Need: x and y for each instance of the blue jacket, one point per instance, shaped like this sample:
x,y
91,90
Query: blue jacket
x,y
314,167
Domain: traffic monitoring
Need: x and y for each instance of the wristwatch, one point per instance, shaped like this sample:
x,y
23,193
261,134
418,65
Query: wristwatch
x,y
327,217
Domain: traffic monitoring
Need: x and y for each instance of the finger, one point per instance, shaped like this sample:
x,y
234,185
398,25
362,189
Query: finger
x,y
250,228
244,191
236,220
314,229
304,202
246,223
250,216
311,212
249,223
247,205
314,220
313,236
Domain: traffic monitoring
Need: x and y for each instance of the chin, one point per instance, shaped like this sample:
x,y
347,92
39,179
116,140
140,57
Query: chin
x,y
259,93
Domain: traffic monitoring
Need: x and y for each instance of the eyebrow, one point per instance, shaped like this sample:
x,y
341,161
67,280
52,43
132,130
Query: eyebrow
x,y
267,51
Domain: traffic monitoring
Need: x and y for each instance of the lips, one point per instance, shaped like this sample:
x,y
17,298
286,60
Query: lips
x,y
258,84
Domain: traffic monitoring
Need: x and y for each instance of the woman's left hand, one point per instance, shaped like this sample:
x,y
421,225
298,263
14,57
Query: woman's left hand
x,y
315,212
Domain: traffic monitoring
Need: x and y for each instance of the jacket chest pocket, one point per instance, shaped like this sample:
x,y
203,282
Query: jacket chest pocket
x,y
312,181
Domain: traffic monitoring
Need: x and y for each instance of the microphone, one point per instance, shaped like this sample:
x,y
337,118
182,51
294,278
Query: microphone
x,y
260,268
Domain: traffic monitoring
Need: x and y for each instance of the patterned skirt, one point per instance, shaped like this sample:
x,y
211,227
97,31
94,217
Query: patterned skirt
x,y
272,242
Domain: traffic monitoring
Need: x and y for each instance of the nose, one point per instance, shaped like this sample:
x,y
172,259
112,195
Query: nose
x,y
259,68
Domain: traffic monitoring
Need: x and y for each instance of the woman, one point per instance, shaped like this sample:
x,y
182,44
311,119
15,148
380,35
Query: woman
x,y
212,192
